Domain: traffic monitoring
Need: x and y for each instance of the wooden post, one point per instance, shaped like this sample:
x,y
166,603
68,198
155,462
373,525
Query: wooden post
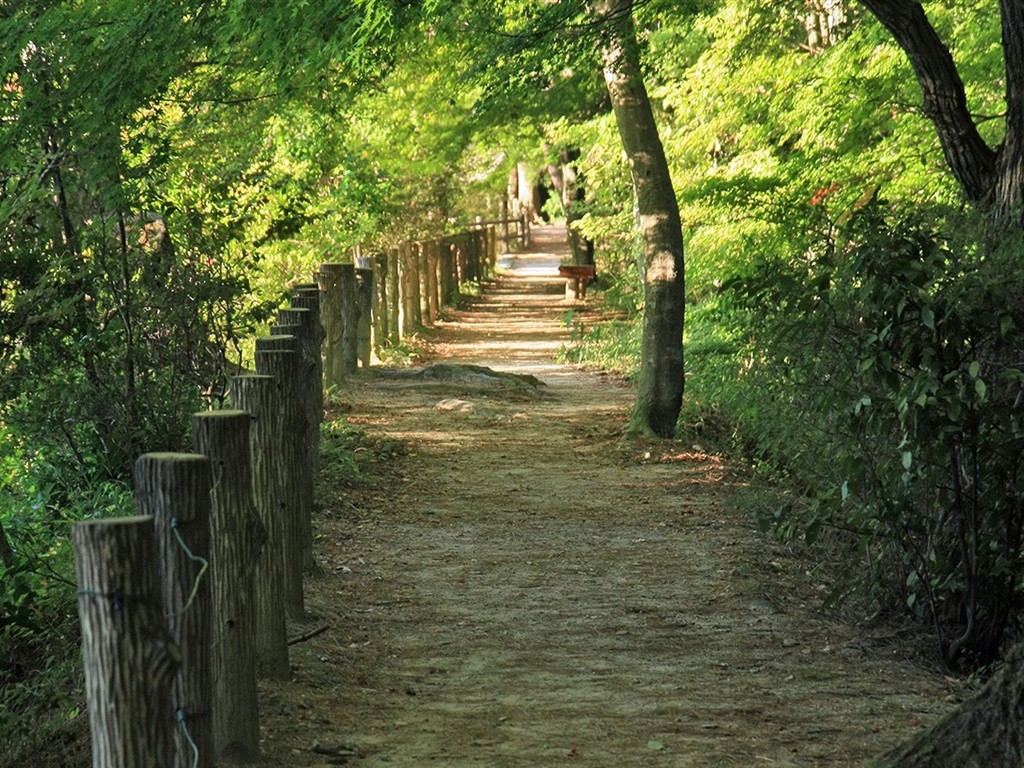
x,y
381,321
475,252
432,249
394,296
303,323
130,660
423,282
461,259
349,312
364,305
407,297
449,280
306,289
260,396
280,342
329,278
295,476
238,536
174,489
309,298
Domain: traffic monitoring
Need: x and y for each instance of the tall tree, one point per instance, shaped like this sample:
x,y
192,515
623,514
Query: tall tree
x,y
660,388
992,178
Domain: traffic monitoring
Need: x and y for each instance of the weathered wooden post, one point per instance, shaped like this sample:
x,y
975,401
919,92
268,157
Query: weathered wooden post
x,y
130,660
449,277
349,310
307,296
273,358
381,320
174,490
329,279
407,280
238,536
304,325
432,250
260,396
364,305
423,282
394,296
475,254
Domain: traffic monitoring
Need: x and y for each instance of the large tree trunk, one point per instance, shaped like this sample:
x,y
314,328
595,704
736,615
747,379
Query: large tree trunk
x,y
992,179
660,389
1009,192
984,732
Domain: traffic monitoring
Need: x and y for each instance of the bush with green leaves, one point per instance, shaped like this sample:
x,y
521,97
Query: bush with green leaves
x,y
886,383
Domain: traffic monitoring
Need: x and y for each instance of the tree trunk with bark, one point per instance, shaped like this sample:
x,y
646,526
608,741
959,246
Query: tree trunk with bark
x,y
984,732
660,388
991,178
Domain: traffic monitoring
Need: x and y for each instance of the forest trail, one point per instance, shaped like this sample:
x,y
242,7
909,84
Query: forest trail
x,y
516,585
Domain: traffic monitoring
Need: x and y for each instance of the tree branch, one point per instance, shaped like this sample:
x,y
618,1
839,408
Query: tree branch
x,y
971,160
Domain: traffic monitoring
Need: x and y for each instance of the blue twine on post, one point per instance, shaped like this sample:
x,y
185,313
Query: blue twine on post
x,y
195,559
180,713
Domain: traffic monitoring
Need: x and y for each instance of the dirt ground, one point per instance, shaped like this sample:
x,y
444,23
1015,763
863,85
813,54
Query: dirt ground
x,y
514,584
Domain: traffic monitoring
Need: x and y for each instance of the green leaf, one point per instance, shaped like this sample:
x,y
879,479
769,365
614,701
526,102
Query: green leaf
x,y
974,369
979,387
907,459
928,317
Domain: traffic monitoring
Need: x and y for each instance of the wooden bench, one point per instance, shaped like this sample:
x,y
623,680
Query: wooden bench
x,y
576,278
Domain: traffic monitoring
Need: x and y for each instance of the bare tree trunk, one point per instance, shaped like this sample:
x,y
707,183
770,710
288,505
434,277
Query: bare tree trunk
x,y
984,732
660,389
992,179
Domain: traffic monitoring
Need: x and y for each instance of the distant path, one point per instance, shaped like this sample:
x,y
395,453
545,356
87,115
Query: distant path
x,y
524,588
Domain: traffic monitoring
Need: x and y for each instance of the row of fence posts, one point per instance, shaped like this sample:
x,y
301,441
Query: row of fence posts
x,y
183,606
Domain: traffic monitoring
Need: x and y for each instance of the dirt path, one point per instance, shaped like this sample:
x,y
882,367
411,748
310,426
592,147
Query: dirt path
x,y
524,588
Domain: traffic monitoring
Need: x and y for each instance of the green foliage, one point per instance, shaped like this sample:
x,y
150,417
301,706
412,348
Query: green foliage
x,y
40,663
892,361
610,346
343,453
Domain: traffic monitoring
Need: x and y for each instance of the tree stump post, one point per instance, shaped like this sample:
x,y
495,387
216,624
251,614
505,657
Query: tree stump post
x,y
394,297
294,475
423,283
348,311
309,298
473,253
130,659
238,536
432,249
174,490
303,324
260,395
407,296
329,279
381,319
449,279
364,303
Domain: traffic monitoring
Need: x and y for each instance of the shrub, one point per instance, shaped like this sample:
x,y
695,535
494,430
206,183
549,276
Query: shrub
x,y
888,383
